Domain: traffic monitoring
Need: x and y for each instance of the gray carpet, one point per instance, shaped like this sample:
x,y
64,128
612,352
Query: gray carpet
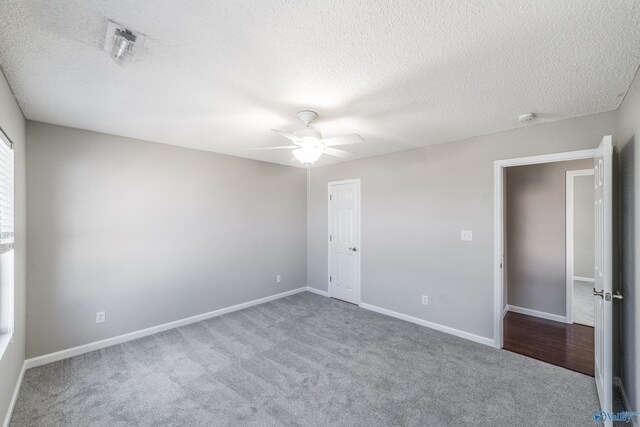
x,y
303,360
583,304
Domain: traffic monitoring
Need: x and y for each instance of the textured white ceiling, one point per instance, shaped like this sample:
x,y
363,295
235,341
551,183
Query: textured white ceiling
x,y
217,75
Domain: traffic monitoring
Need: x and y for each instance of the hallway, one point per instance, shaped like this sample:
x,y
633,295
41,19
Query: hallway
x,y
561,344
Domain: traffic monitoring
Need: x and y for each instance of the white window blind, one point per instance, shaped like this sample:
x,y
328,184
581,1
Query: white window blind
x,y
6,243
6,196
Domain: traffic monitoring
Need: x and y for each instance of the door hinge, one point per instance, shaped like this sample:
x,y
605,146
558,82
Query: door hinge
x,y
330,238
330,197
330,278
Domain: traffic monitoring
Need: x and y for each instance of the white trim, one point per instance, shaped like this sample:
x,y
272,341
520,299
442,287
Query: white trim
x,y
617,381
317,291
446,329
345,181
498,223
421,322
5,339
506,310
568,239
548,158
7,288
584,279
86,348
498,252
536,313
14,396
329,184
569,244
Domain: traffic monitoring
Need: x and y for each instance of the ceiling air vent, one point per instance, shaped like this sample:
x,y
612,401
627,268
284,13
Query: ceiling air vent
x,y
121,42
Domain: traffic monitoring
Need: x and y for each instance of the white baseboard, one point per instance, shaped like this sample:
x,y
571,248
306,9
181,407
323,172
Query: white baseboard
x,y
14,396
421,322
584,279
318,291
505,310
617,381
536,313
86,348
431,325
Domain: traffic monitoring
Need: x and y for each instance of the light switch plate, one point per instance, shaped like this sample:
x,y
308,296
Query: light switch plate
x,y
466,235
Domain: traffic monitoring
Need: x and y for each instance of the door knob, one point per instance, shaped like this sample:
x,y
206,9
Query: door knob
x,y
598,293
353,249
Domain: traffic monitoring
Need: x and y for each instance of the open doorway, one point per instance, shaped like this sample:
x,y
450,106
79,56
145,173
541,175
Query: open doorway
x,y
541,254
603,290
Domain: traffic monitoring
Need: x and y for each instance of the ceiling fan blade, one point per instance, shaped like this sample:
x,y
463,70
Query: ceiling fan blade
x,y
354,138
341,154
273,148
287,135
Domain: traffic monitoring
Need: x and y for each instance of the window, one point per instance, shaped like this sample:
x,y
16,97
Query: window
x,y
6,242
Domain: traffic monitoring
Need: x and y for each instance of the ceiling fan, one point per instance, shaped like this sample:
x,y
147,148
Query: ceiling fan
x,y
309,144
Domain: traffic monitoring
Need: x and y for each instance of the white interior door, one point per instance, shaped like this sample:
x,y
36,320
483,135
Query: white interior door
x,y
344,241
603,174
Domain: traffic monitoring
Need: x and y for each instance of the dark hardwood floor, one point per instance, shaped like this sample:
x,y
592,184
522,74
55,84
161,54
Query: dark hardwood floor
x,y
561,344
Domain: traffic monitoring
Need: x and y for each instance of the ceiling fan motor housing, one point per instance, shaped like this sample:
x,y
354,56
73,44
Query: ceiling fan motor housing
x,y
307,133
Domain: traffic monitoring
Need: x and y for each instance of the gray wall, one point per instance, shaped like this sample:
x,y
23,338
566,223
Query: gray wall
x,y
629,175
414,204
535,234
150,233
583,226
12,122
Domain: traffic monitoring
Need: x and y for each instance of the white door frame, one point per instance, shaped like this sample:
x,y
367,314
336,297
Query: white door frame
x,y
570,249
498,224
329,185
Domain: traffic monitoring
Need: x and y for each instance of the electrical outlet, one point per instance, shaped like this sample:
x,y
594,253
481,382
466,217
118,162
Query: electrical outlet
x,y
425,300
100,317
278,279
466,235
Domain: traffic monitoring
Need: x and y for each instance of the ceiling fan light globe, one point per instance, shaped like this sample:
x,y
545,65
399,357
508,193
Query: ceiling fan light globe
x,y
309,142
307,155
